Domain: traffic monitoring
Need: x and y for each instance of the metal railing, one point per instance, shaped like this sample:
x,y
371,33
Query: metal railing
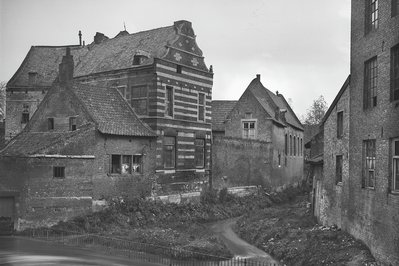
x,y
140,251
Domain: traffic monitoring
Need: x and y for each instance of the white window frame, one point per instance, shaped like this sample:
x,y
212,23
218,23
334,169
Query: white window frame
x,y
255,121
395,162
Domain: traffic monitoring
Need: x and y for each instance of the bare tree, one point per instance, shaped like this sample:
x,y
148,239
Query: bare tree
x,y
2,99
316,112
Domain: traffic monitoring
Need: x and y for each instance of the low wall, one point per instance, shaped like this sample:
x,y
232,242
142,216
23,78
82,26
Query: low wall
x,y
195,196
241,162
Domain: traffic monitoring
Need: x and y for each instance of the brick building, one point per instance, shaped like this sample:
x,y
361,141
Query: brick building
x,y
83,143
261,116
332,143
361,172
161,73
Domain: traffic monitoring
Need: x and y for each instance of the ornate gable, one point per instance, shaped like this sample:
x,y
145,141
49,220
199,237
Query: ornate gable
x,y
184,49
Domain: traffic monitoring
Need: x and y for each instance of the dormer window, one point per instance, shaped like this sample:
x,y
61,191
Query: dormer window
x,y
138,59
72,123
32,78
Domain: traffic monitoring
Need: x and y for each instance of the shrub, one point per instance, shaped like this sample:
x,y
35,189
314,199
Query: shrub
x,y
209,196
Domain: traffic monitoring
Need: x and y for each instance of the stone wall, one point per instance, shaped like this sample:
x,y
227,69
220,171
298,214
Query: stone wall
x,y
16,99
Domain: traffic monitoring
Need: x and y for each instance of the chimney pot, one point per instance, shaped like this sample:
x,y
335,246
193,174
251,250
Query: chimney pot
x,y
80,38
258,76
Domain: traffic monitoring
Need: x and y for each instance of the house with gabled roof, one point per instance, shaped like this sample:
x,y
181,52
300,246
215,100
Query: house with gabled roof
x,y
162,75
261,116
220,110
84,143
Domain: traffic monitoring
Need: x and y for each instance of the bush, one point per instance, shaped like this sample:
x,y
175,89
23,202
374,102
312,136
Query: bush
x,y
209,196
225,196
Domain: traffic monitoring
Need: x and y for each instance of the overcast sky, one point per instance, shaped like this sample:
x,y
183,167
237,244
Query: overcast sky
x,y
300,48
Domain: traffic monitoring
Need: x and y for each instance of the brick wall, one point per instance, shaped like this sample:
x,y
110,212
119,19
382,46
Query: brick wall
x,y
333,194
373,214
239,162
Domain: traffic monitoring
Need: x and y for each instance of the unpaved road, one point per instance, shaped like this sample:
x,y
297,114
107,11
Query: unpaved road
x,y
236,245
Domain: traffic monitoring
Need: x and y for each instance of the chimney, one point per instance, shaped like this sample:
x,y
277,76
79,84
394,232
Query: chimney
x,y
80,38
258,76
66,68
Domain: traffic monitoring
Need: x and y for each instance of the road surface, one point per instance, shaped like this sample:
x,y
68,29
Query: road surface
x,y
21,251
236,245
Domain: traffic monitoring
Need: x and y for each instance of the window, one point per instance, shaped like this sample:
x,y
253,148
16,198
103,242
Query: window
x,y
169,101
297,151
138,99
395,7
301,148
200,153
178,69
286,144
59,172
290,145
370,83
169,152
137,164
340,124
249,129
25,114
369,163
338,169
116,164
395,72
72,123
371,15
126,164
201,107
294,146
50,123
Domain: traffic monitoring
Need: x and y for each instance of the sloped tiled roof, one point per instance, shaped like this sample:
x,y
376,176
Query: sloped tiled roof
x,y
112,114
29,143
220,110
270,101
111,54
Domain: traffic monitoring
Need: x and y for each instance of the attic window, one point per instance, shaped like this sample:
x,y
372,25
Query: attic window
x,y
25,114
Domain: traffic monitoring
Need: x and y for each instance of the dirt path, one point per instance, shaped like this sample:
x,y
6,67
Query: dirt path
x,y
236,245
